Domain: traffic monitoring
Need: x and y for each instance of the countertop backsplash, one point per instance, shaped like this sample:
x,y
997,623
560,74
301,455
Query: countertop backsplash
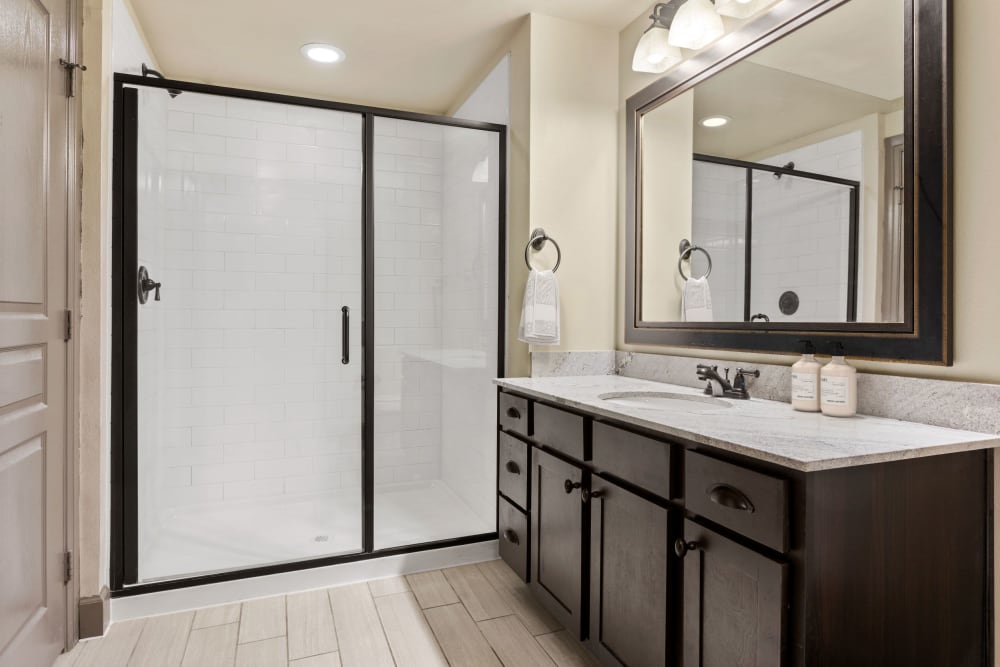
x,y
962,405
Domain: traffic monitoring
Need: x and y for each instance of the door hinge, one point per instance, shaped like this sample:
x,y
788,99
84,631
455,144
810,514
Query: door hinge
x,y
67,567
71,75
68,330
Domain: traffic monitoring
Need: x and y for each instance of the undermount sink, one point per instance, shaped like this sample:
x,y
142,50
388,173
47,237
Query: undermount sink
x,y
660,400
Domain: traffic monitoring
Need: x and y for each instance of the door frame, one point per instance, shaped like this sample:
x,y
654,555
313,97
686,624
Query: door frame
x,y
124,491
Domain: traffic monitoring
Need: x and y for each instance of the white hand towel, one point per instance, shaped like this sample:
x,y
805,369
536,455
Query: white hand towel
x,y
540,310
696,301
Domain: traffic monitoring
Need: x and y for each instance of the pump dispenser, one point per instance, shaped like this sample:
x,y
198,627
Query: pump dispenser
x,y
805,380
839,386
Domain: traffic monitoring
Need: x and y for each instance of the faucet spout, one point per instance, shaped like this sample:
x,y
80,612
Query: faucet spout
x,y
717,385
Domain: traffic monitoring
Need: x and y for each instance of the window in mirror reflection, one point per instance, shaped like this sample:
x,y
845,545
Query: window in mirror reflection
x,y
797,196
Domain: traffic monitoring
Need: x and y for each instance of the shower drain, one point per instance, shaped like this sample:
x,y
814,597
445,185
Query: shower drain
x,y
321,538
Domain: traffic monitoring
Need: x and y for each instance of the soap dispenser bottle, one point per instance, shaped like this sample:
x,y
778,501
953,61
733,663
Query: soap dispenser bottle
x,y
839,386
805,380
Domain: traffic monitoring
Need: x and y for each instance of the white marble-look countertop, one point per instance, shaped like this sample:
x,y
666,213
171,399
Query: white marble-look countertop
x,y
765,430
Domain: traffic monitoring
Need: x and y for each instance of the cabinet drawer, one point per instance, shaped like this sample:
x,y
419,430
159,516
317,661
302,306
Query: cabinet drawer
x,y
749,502
634,458
513,413
513,526
512,470
560,430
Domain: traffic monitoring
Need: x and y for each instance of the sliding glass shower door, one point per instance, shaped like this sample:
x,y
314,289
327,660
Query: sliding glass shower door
x,y
248,410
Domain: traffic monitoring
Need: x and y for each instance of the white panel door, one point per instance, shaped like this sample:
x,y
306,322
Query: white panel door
x,y
33,296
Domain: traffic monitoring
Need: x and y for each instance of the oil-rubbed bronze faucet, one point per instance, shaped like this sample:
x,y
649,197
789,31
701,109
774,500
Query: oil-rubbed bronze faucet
x,y
720,386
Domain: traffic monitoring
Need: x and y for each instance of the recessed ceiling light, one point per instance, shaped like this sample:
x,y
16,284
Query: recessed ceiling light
x,y
715,121
322,53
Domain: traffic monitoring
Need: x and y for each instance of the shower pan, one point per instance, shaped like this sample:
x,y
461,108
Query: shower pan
x,y
308,311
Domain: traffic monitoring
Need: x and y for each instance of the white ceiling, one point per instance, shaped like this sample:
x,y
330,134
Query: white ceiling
x,y
418,55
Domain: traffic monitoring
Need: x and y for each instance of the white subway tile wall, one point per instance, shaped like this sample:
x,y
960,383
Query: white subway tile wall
x,y
800,233
259,250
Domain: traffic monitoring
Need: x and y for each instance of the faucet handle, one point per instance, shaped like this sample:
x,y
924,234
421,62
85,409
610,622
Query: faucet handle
x,y
740,382
741,372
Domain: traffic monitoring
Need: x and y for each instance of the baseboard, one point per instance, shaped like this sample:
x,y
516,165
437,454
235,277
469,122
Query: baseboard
x,y
95,614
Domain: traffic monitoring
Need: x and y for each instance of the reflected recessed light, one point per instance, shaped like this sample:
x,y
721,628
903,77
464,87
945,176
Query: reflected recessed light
x,y
715,121
322,53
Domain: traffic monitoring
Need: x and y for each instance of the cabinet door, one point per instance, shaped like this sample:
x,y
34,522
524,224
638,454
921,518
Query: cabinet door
x,y
629,577
557,538
734,601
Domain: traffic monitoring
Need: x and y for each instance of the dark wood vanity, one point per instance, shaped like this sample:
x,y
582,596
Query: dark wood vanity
x,y
656,551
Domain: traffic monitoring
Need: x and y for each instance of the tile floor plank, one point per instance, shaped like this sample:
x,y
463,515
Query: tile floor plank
x,y
359,630
410,638
162,641
480,598
459,637
388,586
214,645
519,598
221,615
114,648
265,653
262,619
310,624
515,646
431,589
325,660
566,651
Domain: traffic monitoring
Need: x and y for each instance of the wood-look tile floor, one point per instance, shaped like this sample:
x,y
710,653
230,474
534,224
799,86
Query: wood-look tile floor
x,y
472,615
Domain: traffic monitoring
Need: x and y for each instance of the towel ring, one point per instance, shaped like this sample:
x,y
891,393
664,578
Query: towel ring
x,y
537,242
686,248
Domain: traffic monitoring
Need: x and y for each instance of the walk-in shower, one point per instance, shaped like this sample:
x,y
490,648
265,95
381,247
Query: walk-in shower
x,y
308,297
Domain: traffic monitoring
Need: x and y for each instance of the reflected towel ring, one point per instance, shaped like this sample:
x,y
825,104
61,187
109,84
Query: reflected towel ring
x,y
686,248
537,242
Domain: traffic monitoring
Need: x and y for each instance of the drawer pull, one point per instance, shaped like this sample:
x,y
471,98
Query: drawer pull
x,y
728,496
513,468
513,413
570,485
511,536
681,548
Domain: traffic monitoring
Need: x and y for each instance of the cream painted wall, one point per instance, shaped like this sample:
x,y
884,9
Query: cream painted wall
x,y
976,232
667,204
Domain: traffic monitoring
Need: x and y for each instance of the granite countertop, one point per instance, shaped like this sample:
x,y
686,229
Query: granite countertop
x,y
765,430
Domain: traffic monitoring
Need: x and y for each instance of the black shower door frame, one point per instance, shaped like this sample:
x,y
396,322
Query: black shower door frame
x,y
854,212
124,340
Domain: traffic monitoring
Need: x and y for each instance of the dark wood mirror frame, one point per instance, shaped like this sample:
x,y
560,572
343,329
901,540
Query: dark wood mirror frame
x,y
926,334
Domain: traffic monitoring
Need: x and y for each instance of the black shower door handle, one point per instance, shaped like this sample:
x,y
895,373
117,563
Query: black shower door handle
x,y
345,336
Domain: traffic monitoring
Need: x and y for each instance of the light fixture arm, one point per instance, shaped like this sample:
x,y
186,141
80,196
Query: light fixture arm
x,y
663,14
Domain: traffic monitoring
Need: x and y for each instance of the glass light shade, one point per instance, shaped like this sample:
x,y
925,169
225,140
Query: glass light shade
x,y
653,53
741,9
696,25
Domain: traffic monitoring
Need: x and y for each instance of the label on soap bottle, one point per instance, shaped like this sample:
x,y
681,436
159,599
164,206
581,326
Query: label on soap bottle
x,y
804,387
835,390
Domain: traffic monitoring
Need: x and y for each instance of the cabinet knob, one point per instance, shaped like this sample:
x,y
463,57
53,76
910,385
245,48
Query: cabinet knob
x,y
587,494
513,413
681,548
511,536
570,485
513,468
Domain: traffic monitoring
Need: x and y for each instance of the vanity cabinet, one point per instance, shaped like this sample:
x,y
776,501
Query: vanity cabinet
x,y
733,602
654,550
630,575
557,537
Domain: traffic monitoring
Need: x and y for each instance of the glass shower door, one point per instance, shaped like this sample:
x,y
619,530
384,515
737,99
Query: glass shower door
x,y
248,413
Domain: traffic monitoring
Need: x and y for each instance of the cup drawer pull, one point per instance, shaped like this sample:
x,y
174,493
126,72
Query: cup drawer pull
x,y
511,536
513,413
513,468
731,497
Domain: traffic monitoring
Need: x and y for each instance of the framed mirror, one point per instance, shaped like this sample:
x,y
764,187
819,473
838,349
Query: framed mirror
x,y
793,181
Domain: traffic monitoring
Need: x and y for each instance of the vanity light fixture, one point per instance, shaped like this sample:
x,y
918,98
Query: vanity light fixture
x,y
741,9
322,53
654,53
696,25
715,121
